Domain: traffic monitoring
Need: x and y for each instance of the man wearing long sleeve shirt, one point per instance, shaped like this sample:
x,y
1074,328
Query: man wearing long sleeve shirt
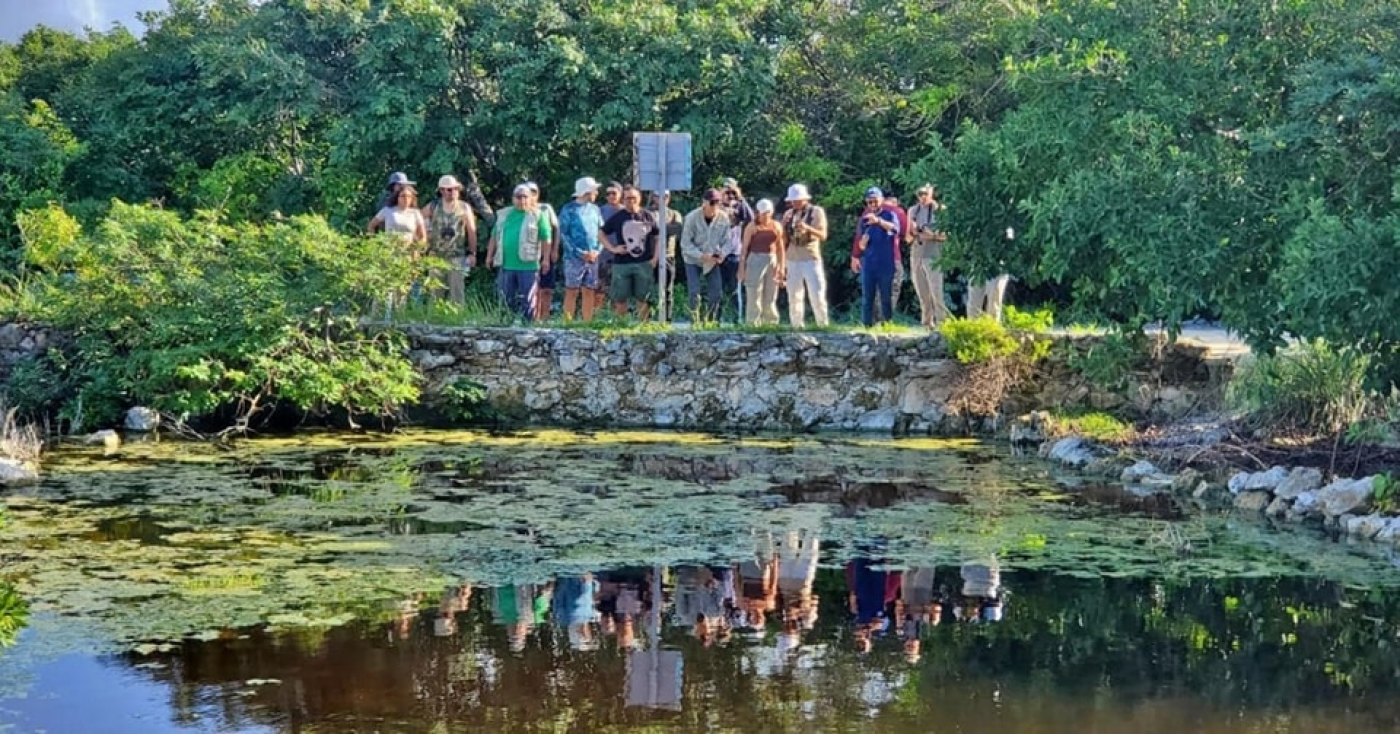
x,y
874,256
704,237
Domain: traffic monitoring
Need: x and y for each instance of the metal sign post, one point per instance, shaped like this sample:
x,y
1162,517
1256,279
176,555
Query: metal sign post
x,y
662,162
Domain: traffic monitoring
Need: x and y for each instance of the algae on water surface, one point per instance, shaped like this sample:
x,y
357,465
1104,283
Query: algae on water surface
x,y
170,540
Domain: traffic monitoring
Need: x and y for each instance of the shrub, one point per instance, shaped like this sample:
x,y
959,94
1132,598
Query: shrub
x,y
193,316
1038,321
1311,387
995,362
1107,362
464,401
979,340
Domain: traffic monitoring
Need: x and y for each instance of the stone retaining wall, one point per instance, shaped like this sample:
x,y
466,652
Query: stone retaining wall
x,y
781,381
21,341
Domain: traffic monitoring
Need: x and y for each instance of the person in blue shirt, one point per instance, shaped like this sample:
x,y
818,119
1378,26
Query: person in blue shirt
x,y
874,256
580,225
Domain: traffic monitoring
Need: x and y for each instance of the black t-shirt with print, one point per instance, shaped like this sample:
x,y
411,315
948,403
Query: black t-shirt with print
x,y
636,232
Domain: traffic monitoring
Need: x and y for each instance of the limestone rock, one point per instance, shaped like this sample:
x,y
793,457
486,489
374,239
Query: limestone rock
x,y
1139,471
427,361
1071,451
142,420
1390,533
107,438
1345,496
1030,428
1252,501
1266,481
1187,481
1365,527
13,471
1301,479
878,420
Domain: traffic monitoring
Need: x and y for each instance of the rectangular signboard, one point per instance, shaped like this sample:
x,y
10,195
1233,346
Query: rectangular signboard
x,y
661,161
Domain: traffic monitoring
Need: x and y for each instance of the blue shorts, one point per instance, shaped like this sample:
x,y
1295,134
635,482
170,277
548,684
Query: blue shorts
x,y
580,274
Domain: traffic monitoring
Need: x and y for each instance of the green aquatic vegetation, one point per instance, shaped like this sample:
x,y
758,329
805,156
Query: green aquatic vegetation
x,y
313,529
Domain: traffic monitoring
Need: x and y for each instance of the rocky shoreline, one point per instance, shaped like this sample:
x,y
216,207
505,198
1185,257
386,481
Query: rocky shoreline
x,y
1361,508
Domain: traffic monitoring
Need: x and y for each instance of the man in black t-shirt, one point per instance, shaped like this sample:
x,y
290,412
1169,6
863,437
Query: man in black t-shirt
x,y
632,235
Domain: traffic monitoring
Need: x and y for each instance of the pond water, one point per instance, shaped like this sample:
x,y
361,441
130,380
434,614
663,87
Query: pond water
x,y
552,581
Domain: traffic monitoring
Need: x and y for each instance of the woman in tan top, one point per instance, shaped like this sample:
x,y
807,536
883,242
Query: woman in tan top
x,y
761,260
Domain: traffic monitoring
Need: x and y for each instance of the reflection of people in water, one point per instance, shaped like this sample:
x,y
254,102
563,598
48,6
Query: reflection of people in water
x,y
574,610
624,596
922,609
758,584
873,594
700,597
797,569
981,592
454,602
520,608
407,609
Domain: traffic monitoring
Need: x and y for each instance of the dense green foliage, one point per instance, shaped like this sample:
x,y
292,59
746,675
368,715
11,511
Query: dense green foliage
x,y
974,341
1134,161
194,316
1308,386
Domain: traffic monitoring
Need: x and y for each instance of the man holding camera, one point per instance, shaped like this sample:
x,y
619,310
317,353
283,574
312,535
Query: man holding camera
x,y
451,224
874,257
924,257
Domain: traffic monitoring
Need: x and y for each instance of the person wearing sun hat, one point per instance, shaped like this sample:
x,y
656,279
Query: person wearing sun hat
x,y
580,225
452,237
761,263
804,229
397,181
520,248
543,297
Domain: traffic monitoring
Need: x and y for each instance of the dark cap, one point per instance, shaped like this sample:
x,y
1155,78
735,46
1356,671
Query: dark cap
x,y
714,195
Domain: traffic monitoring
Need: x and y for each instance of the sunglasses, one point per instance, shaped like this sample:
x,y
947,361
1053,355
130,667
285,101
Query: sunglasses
x,y
522,196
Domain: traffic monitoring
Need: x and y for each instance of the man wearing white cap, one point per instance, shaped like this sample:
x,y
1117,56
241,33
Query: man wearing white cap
x,y
804,225
520,247
580,228
451,226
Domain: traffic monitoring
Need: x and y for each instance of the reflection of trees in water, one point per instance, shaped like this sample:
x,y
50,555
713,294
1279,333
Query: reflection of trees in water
x,y
14,614
1230,643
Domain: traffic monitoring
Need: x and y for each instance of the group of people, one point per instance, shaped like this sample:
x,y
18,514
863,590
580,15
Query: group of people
x,y
613,251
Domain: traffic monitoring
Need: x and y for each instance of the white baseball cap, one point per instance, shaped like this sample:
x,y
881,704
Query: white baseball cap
x,y
765,206
585,185
449,182
798,192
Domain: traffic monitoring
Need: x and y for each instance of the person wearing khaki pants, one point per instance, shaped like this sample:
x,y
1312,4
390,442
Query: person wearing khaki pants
x,y
924,256
761,262
985,298
804,231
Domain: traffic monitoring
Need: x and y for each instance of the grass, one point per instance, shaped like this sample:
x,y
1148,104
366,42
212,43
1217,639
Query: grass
x,y
19,441
488,312
1095,425
1312,387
